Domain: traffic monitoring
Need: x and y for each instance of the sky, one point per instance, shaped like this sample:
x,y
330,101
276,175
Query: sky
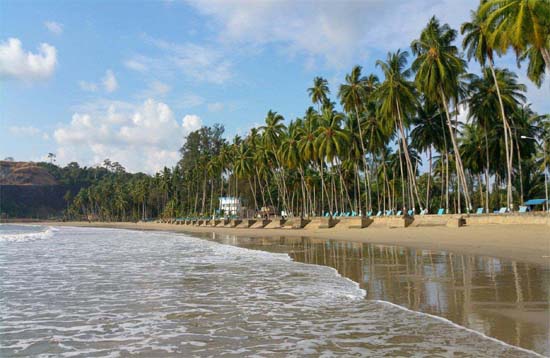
x,y
128,80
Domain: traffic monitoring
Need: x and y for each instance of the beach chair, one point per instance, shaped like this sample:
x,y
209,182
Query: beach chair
x,y
348,214
424,211
353,213
327,214
441,211
389,212
523,209
503,210
399,213
410,212
479,211
369,213
379,213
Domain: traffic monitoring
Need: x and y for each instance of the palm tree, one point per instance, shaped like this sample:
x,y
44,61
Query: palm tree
x,y
428,133
438,67
291,157
477,43
472,153
398,99
520,24
273,132
495,89
331,139
353,95
319,92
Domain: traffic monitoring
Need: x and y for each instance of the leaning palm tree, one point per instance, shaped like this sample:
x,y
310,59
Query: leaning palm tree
x,y
352,95
397,100
485,98
438,67
477,43
520,24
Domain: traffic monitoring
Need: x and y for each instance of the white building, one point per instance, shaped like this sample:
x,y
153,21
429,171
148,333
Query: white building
x,y
229,205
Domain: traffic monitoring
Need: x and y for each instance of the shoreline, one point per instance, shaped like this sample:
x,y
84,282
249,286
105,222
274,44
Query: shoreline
x,y
523,243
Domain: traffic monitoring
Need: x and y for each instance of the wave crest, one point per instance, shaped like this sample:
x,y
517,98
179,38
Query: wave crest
x,y
29,236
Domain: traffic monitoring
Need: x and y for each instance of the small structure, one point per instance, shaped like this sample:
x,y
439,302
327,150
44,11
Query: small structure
x,y
533,203
230,205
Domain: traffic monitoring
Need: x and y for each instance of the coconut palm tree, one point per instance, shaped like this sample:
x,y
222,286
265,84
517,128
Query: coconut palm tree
x,y
519,24
353,95
438,67
319,92
497,88
477,43
397,100
331,139
428,133
273,132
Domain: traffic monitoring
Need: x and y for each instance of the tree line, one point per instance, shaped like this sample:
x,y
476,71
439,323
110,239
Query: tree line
x,y
361,149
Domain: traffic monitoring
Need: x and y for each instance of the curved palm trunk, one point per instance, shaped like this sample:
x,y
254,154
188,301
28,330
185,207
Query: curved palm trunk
x,y
507,146
368,199
487,166
546,56
253,191
429,177
324,192
458,158
408,160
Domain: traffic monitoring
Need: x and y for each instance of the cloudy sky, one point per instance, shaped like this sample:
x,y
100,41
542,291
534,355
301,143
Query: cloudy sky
x,y
89,80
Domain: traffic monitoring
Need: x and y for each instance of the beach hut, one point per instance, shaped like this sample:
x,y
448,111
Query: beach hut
x,y
532,204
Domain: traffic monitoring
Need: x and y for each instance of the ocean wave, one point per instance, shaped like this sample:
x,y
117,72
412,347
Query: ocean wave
x,y
47,233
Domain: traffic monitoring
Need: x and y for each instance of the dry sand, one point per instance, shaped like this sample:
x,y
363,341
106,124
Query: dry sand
x,y
523,243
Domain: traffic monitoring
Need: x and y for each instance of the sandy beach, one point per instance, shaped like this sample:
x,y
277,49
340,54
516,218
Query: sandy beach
x,y
523,243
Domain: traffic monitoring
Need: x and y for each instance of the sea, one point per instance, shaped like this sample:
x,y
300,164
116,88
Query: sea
x,y
92,292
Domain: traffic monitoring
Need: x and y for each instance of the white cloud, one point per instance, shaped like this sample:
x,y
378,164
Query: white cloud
x,y
191,100
87,86
27,66
136,64
156,89
24,130
54,27
191,122
28,131
198,62
109,81
143,137
215,107
335,31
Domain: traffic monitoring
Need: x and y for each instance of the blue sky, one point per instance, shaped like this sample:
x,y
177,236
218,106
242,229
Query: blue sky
x,y
90,80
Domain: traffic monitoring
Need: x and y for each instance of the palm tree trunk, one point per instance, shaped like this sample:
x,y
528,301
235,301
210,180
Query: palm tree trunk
x,y
458,159
429,177
487,166
324,192
408,160
253,194
368,199
506,144
546,56
402,179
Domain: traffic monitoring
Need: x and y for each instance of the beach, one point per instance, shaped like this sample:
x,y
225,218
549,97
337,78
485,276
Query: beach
x,y
523,243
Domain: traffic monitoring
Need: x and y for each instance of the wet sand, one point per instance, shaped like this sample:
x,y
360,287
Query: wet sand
x,y
500,298
523,243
